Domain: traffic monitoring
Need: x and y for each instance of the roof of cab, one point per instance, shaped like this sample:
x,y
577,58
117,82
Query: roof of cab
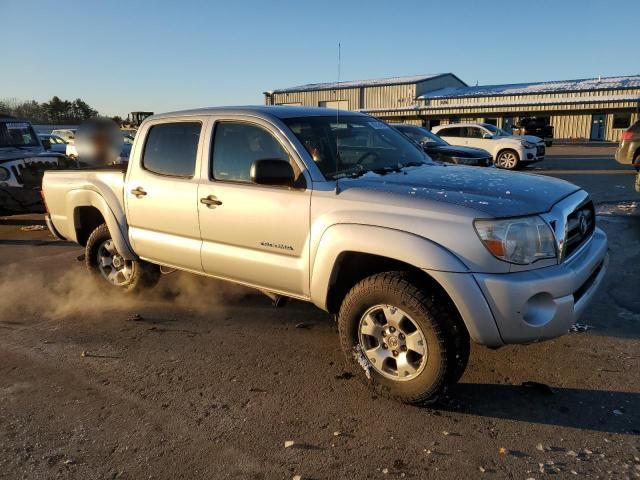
x,y
265,111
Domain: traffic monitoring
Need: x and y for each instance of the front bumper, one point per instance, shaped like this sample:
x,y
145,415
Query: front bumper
x,y
528,306
541,304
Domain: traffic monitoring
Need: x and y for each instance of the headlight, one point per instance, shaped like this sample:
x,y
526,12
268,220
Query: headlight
x,y
521,240
4,174
526,144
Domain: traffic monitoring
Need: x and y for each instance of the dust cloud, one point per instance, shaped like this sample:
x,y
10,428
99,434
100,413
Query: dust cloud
x,y
51,295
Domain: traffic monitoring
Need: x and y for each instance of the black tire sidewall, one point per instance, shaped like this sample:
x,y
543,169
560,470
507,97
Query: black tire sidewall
x,y
100,235
432,379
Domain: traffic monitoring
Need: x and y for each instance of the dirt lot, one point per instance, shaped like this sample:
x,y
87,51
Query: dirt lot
x,y
200,379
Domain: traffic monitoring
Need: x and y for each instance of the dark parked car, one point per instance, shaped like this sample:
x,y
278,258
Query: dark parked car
x,y
536,126
628,151
441,151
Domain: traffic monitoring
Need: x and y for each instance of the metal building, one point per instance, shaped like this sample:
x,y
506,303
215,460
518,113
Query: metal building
x,y
597,109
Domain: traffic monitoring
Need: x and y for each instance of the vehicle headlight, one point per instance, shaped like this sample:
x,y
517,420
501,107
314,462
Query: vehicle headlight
x,y
4,174
521,240
526,144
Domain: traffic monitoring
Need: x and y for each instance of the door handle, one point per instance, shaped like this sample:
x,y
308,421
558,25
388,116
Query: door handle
x,y
139,192
210,201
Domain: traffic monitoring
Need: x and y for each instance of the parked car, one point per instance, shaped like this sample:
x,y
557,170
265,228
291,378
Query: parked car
x,y
23,161
535,126
67,134
628,151
439,150
509,152
337,208
53,143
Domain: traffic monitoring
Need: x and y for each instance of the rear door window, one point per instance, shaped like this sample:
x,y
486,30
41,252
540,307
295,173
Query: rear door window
x,y
171,149
450,132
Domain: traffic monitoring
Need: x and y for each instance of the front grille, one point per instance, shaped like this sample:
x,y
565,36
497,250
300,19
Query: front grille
x,y
540,150
580,226
17,172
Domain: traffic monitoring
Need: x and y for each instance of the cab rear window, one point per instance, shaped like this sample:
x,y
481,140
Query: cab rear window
x,y
171,149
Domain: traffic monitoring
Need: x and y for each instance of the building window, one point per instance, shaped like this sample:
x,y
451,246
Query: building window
x,y
491,121
621,120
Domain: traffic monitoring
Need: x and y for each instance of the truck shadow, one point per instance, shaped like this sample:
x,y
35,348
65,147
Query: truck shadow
x,y
585,409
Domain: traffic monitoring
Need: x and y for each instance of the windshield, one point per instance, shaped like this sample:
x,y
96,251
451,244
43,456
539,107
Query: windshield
x,y
17,134
422,136
353,145
497,132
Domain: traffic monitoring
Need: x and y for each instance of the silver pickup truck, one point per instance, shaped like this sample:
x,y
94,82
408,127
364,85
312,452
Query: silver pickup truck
x,y
414,258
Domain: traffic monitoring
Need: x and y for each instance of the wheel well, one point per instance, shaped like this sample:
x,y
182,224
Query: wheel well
x,y
351,267
86,220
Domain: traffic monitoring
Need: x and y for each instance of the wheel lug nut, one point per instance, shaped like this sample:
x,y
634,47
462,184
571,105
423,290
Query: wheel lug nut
x,y
401,336
384,345
392,329
395,353
384,333
404,348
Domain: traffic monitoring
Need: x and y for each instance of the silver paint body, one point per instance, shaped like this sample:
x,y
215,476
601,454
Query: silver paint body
x,y
423,217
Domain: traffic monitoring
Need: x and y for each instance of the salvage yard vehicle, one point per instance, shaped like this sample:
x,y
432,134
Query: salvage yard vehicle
x,y
628,151
509,151
414,258
23,161
53,143
439,150
535,126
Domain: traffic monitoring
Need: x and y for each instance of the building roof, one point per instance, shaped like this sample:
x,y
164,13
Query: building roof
x,y
361,83
586,84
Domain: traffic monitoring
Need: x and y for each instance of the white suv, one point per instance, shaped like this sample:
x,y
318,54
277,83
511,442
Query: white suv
x,y
509,151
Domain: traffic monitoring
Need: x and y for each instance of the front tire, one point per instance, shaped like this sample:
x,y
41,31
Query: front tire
x,y
508,160
103,260
410,344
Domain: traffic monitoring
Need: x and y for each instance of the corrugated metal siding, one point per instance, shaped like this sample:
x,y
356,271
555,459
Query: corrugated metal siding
x,y
312,98
571,126
393,96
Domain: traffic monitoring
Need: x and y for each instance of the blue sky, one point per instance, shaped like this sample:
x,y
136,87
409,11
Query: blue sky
x,y
121,56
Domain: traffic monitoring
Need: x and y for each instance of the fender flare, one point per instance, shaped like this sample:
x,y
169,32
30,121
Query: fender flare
x,y
386,242
115,220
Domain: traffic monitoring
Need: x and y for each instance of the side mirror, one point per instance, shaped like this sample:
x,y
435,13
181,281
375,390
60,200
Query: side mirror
x,y
272,172
487,135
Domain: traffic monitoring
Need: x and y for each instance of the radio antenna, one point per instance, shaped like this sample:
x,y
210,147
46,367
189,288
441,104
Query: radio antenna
x,y
338,105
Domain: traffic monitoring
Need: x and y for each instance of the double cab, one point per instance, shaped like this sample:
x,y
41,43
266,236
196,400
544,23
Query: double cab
x,y
414,258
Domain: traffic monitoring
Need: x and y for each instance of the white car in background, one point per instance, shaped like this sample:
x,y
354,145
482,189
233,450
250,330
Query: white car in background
x,y
67,134
509,151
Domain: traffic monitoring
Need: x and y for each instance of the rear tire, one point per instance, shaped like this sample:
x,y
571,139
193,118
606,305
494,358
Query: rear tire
x,y
411,343
104,261
508,160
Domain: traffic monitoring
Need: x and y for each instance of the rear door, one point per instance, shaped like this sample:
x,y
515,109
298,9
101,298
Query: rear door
x,y
452,135
253,234
473,136
161,193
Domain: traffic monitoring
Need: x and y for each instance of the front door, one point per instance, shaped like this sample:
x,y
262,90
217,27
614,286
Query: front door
x,y
597,127
253,234
161,194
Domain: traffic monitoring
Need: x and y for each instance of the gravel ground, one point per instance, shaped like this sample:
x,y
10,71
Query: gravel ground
x,y
200,379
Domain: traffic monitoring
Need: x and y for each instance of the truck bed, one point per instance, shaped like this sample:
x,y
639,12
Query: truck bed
x,y
95,185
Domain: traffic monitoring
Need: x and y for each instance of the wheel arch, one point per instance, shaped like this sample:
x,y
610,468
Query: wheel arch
x,y
347,253
88,207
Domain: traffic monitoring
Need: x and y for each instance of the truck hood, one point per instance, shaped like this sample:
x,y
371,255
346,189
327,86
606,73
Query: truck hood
x,y
495,193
